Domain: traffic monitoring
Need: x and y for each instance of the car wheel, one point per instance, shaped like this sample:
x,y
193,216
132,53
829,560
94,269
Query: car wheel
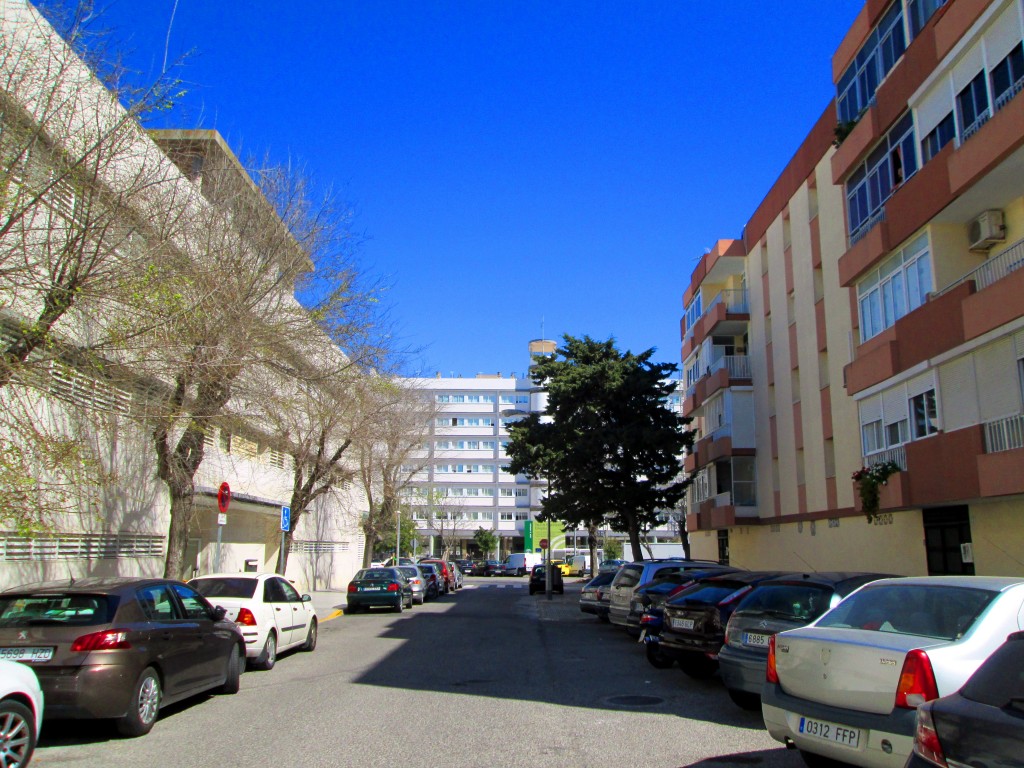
x,y
400,606
268,658
745,699
233,678
657,659
17,733
698,667
143,706
421,599
310,643
409,605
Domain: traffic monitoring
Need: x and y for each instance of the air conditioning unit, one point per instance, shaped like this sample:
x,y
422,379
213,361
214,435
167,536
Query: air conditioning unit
x,y
986,230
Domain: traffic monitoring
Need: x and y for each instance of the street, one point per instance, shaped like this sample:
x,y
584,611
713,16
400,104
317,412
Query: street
x,y
488,676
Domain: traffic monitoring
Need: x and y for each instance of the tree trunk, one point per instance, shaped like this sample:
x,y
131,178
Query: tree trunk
x,y
634,539
592,544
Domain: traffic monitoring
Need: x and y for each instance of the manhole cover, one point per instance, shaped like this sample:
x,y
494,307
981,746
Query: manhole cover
x,y
634,701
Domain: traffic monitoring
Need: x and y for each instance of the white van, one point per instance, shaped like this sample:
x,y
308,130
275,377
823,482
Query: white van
x,y
520,563
579,565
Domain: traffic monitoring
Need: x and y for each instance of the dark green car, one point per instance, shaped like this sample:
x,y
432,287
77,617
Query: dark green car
x,y
379,586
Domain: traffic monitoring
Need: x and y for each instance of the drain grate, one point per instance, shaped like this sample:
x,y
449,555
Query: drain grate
x,y
634,701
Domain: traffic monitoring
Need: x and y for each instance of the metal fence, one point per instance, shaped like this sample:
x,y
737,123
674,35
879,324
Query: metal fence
x,y
1004,434
994,268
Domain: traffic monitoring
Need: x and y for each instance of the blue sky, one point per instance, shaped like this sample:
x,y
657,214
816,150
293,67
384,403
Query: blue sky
x,y
517,168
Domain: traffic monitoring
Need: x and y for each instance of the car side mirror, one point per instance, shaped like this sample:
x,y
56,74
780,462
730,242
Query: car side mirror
x,y
219,612
307,598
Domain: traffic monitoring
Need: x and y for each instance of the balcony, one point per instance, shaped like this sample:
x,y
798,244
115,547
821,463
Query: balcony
x,y
999,467
707,511
726,371
728,313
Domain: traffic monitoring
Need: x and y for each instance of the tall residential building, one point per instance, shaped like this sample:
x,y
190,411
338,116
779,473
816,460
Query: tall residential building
x,y
872,316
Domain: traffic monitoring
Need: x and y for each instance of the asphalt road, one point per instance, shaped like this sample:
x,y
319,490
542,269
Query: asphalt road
x,y
489,676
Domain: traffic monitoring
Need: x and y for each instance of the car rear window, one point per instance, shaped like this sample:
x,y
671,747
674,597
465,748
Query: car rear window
x,y
62,608
929,610
377,573
628,575
233,586
1000,679
708,594
803,602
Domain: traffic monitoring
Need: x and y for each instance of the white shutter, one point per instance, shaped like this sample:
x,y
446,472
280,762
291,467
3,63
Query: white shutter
x,y
1002,35
933,107
894,404
870,409
1018,342
959,394
920,384
965,70
998,387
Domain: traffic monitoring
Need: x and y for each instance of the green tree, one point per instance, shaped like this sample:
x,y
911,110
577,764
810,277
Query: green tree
x,y
486,540
612,549
608,443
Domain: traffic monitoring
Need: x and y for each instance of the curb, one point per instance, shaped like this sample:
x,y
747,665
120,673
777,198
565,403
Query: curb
x,y
334,614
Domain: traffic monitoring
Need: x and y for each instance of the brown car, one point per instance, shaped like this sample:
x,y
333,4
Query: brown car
x,y
119,648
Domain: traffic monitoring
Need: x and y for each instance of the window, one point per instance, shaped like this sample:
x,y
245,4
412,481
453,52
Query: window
x,y
1008,76
871,437
890,163
896,433
939,137
879,54
693,312
919,11
507,517
515,399
900,285
925,414
972,103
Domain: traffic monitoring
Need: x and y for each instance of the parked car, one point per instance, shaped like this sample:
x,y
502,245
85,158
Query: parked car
x,y
693,629
646,609
21,713
520,563
631,575
538,580
494,568
120,648
982,724
775,606
418,581
591,600
434,582
466,566
579,565
447,577
269,612
610,566
563,567
847,686
458,579
373,587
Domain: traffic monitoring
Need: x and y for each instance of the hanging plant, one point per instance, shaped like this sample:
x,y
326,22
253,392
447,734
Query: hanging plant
x,y
868,479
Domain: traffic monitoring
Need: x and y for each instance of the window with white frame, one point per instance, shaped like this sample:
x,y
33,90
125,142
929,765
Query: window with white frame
x,y
694,311
972,104
1008,76
507,517
879,54
900,285
924,414
918,13
451,398
465,421
938,137
515,399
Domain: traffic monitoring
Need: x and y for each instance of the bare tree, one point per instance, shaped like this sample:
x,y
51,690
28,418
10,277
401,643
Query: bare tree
x,y
448,516
388,456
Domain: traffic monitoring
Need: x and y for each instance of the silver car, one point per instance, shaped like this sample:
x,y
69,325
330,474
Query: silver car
x,y
418,581
847,686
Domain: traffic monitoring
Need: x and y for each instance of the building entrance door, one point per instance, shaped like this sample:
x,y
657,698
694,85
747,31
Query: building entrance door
x,y
947,541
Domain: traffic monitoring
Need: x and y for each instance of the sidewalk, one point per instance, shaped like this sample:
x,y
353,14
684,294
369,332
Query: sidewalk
x,y
328,604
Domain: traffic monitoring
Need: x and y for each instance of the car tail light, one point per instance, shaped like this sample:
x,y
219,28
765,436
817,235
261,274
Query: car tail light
x,y
245,618
107,640
771,674
917,681
352,588
392,587
926,740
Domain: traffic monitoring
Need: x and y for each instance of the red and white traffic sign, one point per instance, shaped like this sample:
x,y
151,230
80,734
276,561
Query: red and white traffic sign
x,y
543,543
223,497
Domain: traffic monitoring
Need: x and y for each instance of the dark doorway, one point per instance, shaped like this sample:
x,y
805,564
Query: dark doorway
x,y
945,531
723,546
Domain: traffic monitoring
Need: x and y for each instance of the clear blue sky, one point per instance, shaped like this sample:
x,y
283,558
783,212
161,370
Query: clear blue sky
x,y
517,167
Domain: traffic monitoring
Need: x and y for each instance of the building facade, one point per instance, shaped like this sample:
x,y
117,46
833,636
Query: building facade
x,y
878,300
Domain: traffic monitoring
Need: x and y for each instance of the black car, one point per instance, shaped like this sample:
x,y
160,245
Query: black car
x,y
665,585
493,568
775,606
120,648
694,625
537,580
982,723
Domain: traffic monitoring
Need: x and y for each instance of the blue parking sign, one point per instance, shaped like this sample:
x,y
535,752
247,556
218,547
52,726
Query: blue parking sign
x,y
286,518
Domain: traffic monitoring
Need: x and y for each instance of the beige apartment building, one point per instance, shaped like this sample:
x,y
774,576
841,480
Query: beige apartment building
x,y
872,315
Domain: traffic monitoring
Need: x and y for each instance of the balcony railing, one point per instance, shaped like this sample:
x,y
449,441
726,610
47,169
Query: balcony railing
x,y
867,225
898,455
735,300
738,366
1004,434
995,268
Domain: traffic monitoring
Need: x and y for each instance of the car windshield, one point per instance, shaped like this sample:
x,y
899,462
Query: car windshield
x,y
929,610
800,602
628,575
409,571
63,608
233,586
378,574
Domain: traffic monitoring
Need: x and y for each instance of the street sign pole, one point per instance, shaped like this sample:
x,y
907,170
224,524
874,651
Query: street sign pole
x,y
223,499
547,556
286,524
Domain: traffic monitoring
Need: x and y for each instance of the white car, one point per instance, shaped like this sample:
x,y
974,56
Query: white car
x,y
21,713
847,686
271,614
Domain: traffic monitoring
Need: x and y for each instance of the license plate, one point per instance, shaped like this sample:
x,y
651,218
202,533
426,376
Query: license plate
x,y
371,589
825,731
682,623
26,654
751,638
